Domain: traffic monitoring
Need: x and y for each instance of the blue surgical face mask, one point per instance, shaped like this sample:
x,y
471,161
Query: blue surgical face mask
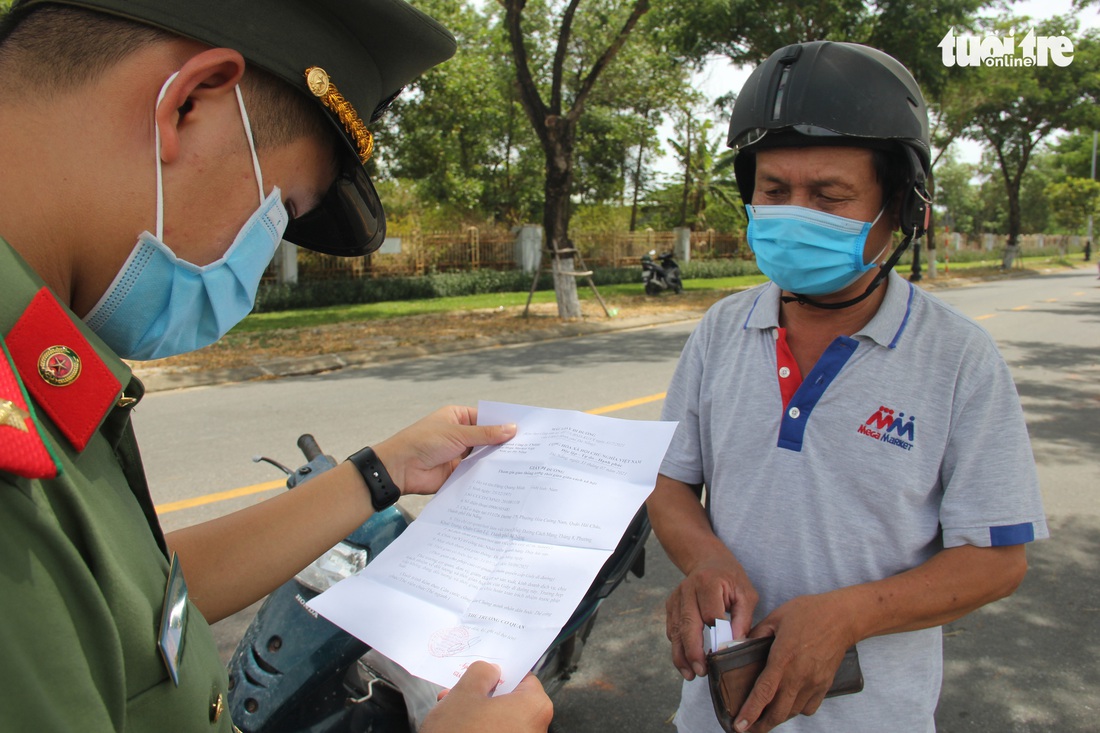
x,y
160,305
806,251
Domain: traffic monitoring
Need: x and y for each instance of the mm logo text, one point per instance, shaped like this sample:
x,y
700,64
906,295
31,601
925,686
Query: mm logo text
x,y
967,50
884,426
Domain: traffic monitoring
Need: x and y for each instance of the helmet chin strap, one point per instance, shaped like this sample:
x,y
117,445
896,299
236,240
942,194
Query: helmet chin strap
x,y
880,277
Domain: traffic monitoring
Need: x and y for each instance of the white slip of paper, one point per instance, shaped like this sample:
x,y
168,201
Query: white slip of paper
x,y
498,561
719,636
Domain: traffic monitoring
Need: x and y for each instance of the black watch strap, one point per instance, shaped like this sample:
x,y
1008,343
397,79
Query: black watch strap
x,y
383,491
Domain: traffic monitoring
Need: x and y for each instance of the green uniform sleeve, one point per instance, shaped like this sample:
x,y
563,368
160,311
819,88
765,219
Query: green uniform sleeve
x,y
62,668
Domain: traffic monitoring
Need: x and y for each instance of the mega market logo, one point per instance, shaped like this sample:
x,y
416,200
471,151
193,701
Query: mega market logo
x,y
888,426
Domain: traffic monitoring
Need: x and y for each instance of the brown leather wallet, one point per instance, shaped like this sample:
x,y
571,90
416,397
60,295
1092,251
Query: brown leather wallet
x,y
732,673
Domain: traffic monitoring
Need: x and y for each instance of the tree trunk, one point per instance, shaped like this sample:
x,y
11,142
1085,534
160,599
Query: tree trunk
x,y
555,217
687,175
1012,175
1012,249
637,179
565,289
510,205
557,130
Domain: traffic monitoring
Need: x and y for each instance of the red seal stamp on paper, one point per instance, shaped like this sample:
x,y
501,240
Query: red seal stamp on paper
x,y
450,642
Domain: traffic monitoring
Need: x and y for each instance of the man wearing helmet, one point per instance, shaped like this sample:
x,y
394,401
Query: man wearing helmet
x,y
154,155
867,468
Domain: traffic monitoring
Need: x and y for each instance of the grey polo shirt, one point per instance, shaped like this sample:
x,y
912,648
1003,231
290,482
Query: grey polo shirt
x,y
904,439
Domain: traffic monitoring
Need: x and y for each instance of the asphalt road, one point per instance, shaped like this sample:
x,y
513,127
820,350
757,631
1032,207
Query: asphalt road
x,y
1025,664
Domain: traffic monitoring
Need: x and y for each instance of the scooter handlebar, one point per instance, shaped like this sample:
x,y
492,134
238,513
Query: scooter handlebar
x,y
308,444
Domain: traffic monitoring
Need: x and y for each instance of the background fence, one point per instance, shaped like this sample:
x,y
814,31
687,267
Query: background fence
x,y
413,252
417,253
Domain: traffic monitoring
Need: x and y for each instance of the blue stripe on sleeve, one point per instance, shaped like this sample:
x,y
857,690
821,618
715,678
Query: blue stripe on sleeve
x,y
1011,534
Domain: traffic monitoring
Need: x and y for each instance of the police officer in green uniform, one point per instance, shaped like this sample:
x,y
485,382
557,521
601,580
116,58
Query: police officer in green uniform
x,y
152,155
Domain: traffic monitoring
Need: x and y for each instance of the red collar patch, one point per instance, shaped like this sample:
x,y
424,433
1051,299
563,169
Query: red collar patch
x,y
22,450
61,370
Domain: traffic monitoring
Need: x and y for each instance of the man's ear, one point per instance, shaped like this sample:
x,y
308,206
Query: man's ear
x,y
202,77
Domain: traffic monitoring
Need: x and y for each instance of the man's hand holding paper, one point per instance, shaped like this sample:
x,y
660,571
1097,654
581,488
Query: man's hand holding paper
x,y
499,560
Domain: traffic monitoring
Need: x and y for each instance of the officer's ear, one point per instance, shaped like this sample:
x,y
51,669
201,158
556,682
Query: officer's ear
x,y
202,78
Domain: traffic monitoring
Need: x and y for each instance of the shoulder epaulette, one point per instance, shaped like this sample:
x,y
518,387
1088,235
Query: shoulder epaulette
x,y
61,370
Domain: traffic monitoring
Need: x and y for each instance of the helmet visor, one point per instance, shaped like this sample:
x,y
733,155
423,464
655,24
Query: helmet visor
x,y
757,134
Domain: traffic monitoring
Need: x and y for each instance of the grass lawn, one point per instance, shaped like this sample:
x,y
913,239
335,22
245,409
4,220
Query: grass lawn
x,y
313,317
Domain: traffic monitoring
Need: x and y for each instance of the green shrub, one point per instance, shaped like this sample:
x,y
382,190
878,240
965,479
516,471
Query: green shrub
x,y
718,268
321,293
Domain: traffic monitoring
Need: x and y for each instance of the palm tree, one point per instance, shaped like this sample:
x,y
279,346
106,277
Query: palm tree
x,y
708,172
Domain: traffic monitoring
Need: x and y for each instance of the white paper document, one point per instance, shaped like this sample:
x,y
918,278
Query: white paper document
x,y
498,561
719,636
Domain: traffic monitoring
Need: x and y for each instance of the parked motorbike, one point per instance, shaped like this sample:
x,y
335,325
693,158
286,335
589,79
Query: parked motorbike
x,y
295,671
661,277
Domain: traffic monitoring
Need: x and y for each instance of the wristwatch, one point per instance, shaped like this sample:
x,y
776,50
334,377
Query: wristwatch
x,y
383,491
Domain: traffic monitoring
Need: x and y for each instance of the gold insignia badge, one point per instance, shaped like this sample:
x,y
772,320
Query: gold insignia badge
x,y
59,366
13,417
318,81
321,86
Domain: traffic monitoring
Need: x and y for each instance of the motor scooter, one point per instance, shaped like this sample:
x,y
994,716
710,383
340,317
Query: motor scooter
x,y
293,670
662,277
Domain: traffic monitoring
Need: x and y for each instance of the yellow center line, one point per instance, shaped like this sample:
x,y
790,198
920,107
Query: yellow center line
x,y
176,506
1020,308
987,315
625,405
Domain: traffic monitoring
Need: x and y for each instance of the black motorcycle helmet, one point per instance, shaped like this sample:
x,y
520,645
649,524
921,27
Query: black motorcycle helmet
x,y
827,93
843,94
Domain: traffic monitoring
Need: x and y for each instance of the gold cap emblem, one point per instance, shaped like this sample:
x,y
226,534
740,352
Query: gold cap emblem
x,y
321,86
317,79
59,365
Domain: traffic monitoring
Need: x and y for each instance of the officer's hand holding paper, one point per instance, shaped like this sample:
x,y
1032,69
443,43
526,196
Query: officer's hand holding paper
x,y
498,561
